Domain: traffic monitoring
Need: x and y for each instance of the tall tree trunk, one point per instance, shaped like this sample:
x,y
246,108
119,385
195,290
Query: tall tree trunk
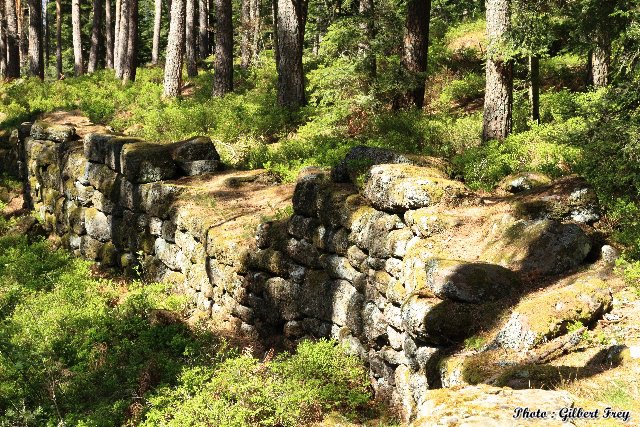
x,y
36,59
190,38
123,38
534,87
274,36
96,36
131,54
245,33
416,49
600,60
58,39
291,19
78,66
256,26
366,9
13,42
47,35
116,37
498,99
3,43
223,64
175,50
22,34
108,30
157,21
203,28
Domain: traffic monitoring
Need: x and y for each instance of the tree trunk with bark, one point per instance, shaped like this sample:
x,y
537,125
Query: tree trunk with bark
x,y
256,26
223,64
13,42
59,39
534,88
203,28
498,99
416,49
22,33
291,20
3,43
600,60
123,38
246,34
190,38
108,34
36,58
175,50
96,36
367,27
78,66
129,62
157,21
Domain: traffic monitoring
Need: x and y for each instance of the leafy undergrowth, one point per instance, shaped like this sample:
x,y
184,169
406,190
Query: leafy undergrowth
x,y
80,350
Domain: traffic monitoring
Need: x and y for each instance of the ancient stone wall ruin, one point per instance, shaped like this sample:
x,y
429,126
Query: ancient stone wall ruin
x,y
386,253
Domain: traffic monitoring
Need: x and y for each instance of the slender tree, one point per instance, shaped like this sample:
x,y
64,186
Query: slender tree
x,y
36,58
256,26
291,16
223,64
96,36
175,50
190,38
116,37
366,9
203,28
13,42
600,59
22,33
129,63
47,35
108,34
157,21
58,39
78,66
498,100
3,43
245,33
415,49
534,87
123,38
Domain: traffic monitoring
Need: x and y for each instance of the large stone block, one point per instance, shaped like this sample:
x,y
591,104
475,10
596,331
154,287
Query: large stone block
x,y
398,188
55,133
103,179
95,147
98,225
196,156
113,150
144,162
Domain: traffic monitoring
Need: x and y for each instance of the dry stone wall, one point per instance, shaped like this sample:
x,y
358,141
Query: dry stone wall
x,y
372,266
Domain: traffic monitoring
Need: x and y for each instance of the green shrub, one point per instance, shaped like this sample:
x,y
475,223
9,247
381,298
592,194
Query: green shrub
x,y
291,390
461,91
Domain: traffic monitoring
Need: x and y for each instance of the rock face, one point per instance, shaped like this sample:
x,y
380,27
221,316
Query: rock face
x,y
490,406
403,270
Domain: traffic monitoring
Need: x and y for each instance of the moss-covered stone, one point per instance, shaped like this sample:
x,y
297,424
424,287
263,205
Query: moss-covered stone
x,y
549,314
51,132
113,150
143,162
426,222
398,188
95,146
544,246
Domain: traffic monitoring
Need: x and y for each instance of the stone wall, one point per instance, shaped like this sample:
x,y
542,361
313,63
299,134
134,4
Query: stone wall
x,y
402,268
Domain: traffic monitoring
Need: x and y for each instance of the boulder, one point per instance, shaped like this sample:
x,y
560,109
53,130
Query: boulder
x,y
426,222
549,314
195,156
485,405
97,224
541,247
398,188
524,181
359,159
472,282
143,162
51,132
95,146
